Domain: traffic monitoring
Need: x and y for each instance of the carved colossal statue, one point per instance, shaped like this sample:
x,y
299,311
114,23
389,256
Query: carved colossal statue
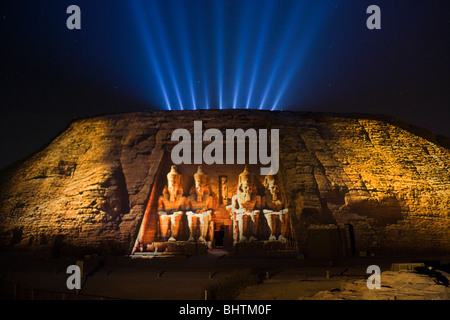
x,y
201,205
274,213
170,205
244,208
272,198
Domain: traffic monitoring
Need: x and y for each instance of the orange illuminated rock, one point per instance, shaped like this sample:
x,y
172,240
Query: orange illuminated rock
x,y
92,185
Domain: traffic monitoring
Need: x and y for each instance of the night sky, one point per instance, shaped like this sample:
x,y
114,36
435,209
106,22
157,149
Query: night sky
x,y
135,55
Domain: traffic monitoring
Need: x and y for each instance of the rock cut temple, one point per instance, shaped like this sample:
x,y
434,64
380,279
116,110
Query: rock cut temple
x,y
347,183
221,208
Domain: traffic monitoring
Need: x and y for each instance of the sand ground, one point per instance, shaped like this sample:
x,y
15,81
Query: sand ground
x,y
185,278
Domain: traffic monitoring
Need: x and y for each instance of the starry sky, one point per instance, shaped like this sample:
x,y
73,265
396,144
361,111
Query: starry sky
x,y
136,55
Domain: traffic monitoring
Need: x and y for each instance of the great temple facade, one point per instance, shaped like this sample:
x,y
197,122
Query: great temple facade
x,y
221,209
361,182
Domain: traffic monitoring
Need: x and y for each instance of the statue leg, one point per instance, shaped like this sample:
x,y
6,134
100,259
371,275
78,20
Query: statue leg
x,y
271,223
255,224
235,229
240,218
205,218
284,225
189,215
164,220
175,220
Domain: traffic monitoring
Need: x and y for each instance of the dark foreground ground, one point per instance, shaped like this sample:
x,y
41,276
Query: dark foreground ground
x,y
28,275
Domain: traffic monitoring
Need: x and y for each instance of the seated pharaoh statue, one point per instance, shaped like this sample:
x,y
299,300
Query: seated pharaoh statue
x,y
202,203
274,213
170,205
245,208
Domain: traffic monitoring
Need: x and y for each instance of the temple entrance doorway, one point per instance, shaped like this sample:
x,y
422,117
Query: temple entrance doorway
x,y
219,236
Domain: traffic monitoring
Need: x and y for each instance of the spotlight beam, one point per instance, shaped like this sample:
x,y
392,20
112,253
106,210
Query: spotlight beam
x,y
220,36
304,47
241,49
149,47
201,50
162,40
186,47
288,33
259,49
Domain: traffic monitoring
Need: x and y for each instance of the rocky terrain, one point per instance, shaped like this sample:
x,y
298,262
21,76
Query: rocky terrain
x,y
91,184
403,285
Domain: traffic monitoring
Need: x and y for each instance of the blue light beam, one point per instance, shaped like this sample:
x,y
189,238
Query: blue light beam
x,y
288,32
305,45
201,49
185,47
162,41
242,47
149,47
229,53
259,49
219,28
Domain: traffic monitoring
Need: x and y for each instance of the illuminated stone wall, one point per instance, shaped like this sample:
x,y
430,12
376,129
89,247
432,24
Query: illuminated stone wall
x,y
92,183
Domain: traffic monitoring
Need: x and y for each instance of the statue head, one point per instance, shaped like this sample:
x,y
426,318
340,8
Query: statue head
x,y
246,186
270,183
201,181
173,177
245,176
246,190
200,178
174,183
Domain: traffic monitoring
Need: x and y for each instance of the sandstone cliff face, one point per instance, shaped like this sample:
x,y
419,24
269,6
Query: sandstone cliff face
x,y
92,183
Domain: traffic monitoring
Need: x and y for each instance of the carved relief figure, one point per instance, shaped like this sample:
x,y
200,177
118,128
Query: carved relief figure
x,y
224,189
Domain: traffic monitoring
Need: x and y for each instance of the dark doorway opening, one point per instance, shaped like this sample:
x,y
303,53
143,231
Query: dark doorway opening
x,y
219,236
352,239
